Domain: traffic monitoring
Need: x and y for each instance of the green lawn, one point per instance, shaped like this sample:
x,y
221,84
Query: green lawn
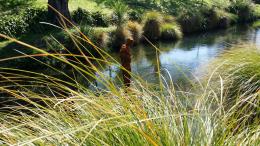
x,y
74,4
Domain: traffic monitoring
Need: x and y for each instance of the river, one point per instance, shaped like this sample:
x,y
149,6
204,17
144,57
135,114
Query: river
x,y
183,60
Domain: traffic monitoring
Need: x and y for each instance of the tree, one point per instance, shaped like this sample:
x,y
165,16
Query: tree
x,y
62,7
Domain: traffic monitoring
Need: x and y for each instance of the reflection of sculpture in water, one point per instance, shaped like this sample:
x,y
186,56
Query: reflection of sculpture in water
x,y
125,57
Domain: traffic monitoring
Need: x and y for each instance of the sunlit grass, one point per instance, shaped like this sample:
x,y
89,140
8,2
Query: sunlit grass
x,y
144,114
89,5
66,112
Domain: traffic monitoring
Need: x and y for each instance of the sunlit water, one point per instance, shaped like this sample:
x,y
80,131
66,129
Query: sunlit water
x,y
184,59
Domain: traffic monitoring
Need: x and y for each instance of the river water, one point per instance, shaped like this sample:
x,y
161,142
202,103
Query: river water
x,y
183,59
179,61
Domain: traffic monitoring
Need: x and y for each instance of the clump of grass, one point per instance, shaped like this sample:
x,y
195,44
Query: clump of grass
x,y
241,66
171,31
192,21
100,36
152,24
136,29
218,18
119,37
239,70
244,9
168,18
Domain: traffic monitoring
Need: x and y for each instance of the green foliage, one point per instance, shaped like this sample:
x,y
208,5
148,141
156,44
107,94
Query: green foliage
x,y
192,21
100,36
152,25
100,19
135,15
13,25
120,10
241,67
244,9
217,18
239,70
171,31
119,37
177,6
256,24
83,17
27,20
140,115
7,5
97,18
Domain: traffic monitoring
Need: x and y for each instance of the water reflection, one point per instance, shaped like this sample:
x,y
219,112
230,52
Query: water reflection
x,y
182,59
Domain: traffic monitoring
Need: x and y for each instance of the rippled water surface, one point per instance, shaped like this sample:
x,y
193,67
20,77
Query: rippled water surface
x,y
184,58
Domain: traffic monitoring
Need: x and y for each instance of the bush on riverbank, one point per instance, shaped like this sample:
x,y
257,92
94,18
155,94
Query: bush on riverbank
x,y
152,25
136,30
171,32
245,10
25,21
119,37
217,18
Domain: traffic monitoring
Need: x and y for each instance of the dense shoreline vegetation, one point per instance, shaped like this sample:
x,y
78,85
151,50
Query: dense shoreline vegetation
x,y
222,108
112,22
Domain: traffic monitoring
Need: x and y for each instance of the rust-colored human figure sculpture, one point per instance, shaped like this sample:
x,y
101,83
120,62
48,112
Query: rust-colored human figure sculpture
x,y
125,57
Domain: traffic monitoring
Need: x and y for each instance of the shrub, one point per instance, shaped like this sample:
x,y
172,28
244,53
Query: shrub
x,y
119,37
153,21
217,18
136,30
33,17
244,9
100,19
257,11
101,36
27,20
171,31
13,25
120,12
82,16
135,15
192,21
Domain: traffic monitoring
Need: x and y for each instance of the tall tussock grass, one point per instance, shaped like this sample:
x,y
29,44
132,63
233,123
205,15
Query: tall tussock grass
x,y
137,30
119,37
153,21
144,114
171,31
239,70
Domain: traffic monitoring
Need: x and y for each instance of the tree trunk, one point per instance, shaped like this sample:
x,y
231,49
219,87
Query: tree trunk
x,y
62,7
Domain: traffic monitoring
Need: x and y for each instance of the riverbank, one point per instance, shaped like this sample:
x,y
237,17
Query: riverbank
x,y
109,28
